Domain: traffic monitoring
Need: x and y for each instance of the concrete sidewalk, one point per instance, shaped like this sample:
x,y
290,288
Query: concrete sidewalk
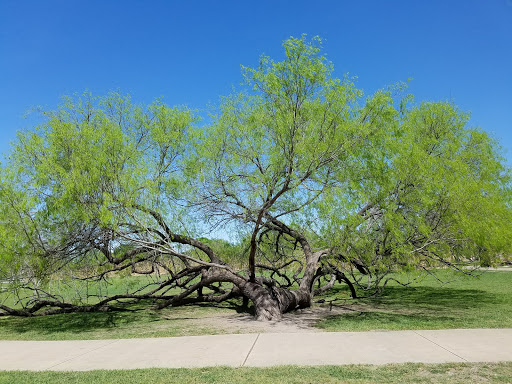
x,y
261,350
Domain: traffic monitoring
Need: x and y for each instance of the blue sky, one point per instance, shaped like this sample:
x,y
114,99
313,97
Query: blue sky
x,y
190,52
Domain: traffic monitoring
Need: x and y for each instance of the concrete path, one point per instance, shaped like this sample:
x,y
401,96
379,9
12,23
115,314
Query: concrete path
x,y
494,269
261,350
499,269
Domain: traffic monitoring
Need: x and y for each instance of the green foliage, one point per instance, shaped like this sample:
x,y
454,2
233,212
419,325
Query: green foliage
x,y
299,157
233,254
434,190
305,147
94,153
78,176
285,136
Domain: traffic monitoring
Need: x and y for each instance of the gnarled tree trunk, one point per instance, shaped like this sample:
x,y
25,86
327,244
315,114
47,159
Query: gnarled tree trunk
x,y
270,302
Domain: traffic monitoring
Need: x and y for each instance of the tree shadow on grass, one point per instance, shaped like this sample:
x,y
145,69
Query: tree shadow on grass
x,y
385,320
433,298
427,298
72,322
406,307
55,325
397,305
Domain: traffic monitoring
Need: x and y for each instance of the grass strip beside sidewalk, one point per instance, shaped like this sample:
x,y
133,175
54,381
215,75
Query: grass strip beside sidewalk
x,y
360,374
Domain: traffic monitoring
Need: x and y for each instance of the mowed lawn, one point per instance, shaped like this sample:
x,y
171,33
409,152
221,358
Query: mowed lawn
x,y
360,374
465,302
483,302
458,301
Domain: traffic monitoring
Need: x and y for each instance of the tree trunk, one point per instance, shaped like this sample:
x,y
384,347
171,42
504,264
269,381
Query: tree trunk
x,y
271,302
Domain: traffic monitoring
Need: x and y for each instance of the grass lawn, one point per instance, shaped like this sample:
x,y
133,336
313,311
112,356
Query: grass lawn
x,y
465,302
169,322
395,373
483,302
137,322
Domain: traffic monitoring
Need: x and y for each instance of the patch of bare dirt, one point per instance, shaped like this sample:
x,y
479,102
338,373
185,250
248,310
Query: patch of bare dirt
x,y
302,320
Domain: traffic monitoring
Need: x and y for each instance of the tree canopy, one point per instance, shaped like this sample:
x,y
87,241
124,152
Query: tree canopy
x,y
323,185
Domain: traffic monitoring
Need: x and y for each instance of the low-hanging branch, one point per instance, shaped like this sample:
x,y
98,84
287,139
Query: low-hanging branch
x,y
307,183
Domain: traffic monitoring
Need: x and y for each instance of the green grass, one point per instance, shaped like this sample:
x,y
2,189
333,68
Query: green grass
x,y
136,322
397,373
86,292
169,322
484,302
467,302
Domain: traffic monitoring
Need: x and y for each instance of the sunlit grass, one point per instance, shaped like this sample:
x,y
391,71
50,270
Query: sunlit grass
x,y
466,302
483,302
360,374
168,322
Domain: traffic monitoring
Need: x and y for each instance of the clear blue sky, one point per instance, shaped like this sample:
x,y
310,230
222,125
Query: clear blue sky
x,y
189,52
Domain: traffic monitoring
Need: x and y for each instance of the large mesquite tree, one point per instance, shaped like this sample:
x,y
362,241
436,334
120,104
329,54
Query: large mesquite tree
x,y
324,185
